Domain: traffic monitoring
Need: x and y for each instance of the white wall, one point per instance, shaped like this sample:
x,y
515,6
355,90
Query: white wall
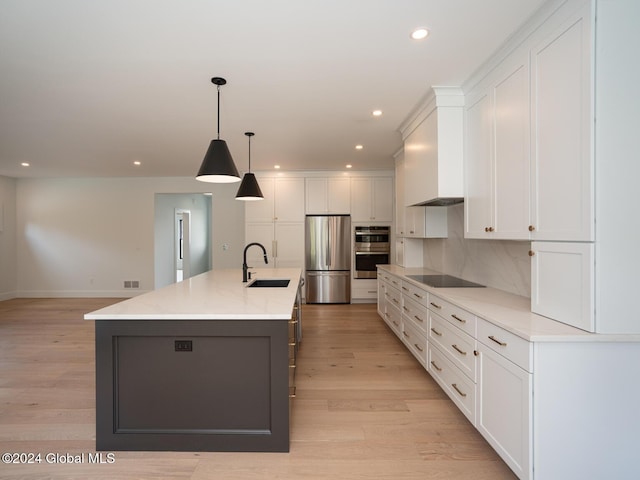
x,y
8,265
199,207
500,264
84,236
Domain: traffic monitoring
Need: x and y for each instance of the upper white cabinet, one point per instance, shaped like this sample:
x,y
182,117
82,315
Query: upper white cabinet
x,y
328,195
372,199
284,201
399,203
561,207
433,149
497,156
529,169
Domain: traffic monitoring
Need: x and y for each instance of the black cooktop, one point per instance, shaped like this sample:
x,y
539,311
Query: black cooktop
x,y
443,281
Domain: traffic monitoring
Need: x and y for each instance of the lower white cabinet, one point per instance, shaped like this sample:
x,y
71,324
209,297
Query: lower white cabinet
x,y
503,415
561,406
562,276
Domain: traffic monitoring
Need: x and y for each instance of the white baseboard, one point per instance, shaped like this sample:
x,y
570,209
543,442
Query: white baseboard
x,y
79,293
7,295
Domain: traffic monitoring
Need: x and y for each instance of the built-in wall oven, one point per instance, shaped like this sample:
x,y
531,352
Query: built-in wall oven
x,y
371,248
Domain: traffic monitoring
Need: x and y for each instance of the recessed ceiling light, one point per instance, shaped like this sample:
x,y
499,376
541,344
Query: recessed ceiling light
x,y
419,33
276,167
137,162
349,166
359,147
377,113
25,164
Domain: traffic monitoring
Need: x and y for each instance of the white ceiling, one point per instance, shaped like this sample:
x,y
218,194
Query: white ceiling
x,y
88,87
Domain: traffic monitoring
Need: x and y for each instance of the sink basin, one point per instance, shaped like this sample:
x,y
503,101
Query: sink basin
x,y
269,282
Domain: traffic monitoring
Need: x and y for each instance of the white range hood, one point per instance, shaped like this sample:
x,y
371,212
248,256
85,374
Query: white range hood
x,y
433,150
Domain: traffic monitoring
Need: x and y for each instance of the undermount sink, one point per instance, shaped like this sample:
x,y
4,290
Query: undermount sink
x,y
269,282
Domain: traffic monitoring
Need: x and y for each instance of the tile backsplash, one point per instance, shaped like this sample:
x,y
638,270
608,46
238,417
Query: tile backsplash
x,y
501,264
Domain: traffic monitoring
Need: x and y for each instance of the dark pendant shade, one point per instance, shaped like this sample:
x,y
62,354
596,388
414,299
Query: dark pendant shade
x,y
218,166
249,188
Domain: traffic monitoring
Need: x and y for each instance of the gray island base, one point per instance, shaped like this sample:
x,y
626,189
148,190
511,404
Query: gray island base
x,y
217,384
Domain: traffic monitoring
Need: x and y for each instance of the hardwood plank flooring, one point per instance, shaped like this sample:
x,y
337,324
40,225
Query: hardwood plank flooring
x,y
365,408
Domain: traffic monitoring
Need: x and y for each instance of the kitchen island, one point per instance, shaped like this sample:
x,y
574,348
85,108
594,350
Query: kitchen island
x,y
206,364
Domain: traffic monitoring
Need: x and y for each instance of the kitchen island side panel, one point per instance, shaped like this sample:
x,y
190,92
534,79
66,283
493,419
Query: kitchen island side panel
x,y
228,393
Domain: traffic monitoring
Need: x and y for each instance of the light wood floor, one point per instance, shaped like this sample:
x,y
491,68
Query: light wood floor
x,y
365,408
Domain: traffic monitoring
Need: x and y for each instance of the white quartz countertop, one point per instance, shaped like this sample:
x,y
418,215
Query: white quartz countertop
x,y
506,310
214,295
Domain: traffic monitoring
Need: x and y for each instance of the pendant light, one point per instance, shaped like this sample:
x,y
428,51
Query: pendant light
x,y
218,166
249,188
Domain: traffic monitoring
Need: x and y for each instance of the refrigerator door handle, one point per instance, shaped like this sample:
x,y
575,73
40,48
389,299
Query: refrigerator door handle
x,y
274,248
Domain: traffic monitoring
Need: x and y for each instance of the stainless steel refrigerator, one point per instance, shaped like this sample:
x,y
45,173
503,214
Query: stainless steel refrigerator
x,y
328,258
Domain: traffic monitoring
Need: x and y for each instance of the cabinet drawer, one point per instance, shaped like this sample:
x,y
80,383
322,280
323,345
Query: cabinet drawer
x,y
416,294
457,345
453,314
393,296
457,386
510,346
393,318
392,280
415,341
415,313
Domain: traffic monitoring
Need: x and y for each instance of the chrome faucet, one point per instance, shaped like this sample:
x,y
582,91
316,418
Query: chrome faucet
x,y
244,259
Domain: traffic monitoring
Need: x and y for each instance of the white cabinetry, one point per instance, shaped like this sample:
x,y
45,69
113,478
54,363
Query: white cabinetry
x,y
504,410
277,222
561,131
283,201
399,196
426,222
528,162
328,195
497,156
433,144
371,199
562,282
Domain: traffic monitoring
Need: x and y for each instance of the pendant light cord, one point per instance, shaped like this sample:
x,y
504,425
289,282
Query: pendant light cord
x,y
249,153
218,112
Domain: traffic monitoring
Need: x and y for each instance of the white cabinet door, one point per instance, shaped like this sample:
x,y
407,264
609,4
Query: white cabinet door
x,y
497,156
372,199
289,200
415,222
316,196
561,134
283,241
511,165
328,195
262,210
382,200
361,194
289,245
262,233
504,409
399,196
339,195
562,282
478,202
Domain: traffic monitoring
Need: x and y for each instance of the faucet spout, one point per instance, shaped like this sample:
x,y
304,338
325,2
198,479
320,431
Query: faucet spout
x,y
245,268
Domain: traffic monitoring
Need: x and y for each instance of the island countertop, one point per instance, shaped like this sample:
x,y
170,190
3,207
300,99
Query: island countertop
x,y
213,295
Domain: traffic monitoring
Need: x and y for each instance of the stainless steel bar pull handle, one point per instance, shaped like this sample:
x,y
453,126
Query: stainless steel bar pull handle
x,y
492,338
455,386
436,332
461,320
436,366
435,305
457,349
418,347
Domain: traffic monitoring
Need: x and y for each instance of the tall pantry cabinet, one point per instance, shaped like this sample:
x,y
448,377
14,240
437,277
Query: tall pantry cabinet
x,y
277,222
548,158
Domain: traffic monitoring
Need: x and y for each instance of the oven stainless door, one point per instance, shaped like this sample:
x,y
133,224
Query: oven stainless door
x,y
367,263
328,287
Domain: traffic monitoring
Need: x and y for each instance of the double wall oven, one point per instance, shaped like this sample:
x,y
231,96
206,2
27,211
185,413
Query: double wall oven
x,y
371,248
